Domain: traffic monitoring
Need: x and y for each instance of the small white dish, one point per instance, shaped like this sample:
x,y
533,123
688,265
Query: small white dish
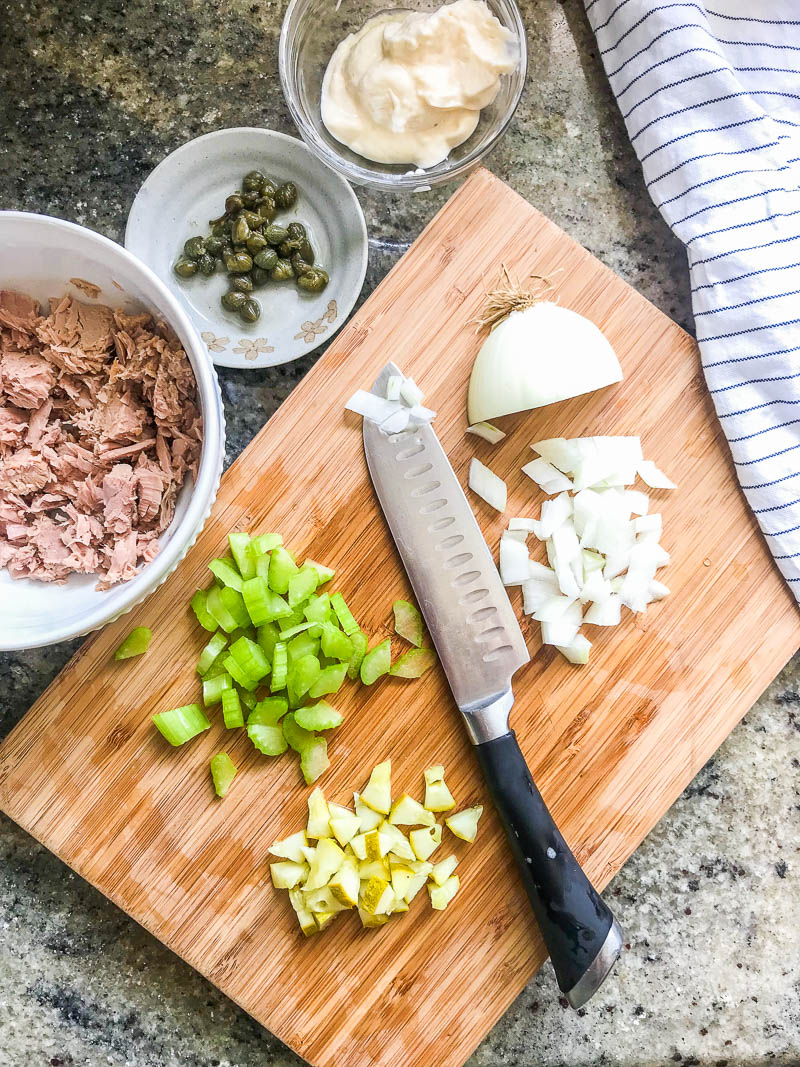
x,y
189,187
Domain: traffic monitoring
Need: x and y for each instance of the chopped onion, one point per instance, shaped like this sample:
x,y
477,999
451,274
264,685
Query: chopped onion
x,y
419,413
488,432
540,353
555,607
536,593
604,612
554,514
517,535
546,476
411,392
397,421
514,568
652,476
577,651
528,525
399,409
369,406
487,485
393,386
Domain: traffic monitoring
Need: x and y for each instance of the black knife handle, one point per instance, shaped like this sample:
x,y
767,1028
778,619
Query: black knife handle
x,y
580,932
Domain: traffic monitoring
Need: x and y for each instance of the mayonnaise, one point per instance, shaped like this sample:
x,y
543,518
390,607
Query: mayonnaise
x,y
409,86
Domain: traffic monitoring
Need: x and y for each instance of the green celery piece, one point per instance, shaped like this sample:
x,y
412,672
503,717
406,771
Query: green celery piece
x,y
262,567
213,688
302,644
240,545
319,716
359,643
268,712
263,543
251,658
294,618
407,622
318,608
329,681
135,644
204,616
217,644
303,673
179,725
344,614
217,667
238,675
295,735
325,573
248,699
413,664
219,611
269,740
335,644
280,667
301,586
232,709
260,601
223,771
268,637
314,759
376,662
281,568
234,602
225,572
288,632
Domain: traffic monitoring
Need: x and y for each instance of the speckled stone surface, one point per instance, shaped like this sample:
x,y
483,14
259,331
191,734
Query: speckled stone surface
x,y
93,93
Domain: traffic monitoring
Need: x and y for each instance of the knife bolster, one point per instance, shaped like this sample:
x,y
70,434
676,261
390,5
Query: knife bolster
x,y
488,721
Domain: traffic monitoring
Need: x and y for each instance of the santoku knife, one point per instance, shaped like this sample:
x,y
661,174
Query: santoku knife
x,y
480,646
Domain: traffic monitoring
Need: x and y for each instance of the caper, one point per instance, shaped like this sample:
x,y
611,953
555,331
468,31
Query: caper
x,y
299,265
306,251
214,245
259,277
252,218
219,226
194,247
286,195
314,280
275,234
250,311
233,300
240,231
239,263
250,198
253,181
286,249
267,210
241,282
207,264
269,188
296,231
266,259
186,268
281,271
233,203
255,242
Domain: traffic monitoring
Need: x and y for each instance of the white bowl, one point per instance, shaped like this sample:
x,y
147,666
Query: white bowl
x,y
189,187
38,256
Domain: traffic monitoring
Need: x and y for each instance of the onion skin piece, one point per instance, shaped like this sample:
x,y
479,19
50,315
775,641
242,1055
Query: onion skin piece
x,y
539,356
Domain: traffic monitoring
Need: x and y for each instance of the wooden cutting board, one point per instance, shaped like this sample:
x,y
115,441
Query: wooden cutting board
x,y
611,744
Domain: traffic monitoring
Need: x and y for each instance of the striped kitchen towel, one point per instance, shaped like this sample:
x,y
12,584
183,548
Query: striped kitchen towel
x,y
710,93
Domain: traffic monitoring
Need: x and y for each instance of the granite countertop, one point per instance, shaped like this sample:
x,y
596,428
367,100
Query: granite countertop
x,y
93,94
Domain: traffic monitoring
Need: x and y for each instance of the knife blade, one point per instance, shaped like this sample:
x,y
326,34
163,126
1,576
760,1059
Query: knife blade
x,y
480,646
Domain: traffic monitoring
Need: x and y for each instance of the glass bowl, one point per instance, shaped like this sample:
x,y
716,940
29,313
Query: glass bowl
x,y
311,31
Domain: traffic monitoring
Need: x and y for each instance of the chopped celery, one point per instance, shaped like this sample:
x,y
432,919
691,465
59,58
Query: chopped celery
x,y
251,658
258,600
219,611
268,637
240,550
232,709
265,542
303,673
302,644
295,735
281,568
135,644
413,664
407,622
343,614
325,573
301,586
318,608
217,667
359,642
319,716
217,644
335,644
280,667
234,603
223,771
179,725
225,572
235,671
204,616
376,662
291,631
213,688
329,681
262,567
314,759
269,740
268,712
248,699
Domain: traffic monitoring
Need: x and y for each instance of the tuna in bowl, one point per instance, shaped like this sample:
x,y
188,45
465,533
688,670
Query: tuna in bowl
x,y
112,421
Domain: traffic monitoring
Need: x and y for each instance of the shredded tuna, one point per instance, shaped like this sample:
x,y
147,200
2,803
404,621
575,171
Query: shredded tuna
x,y
99,428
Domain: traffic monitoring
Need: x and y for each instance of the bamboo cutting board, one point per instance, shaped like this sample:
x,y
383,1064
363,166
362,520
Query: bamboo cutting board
x,y
611,745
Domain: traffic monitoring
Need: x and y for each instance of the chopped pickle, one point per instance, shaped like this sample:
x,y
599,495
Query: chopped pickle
x,y
223,771
314,759
135,644
464,824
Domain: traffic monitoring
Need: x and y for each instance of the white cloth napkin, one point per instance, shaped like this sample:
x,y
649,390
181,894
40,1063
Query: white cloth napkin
x,y
710,93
